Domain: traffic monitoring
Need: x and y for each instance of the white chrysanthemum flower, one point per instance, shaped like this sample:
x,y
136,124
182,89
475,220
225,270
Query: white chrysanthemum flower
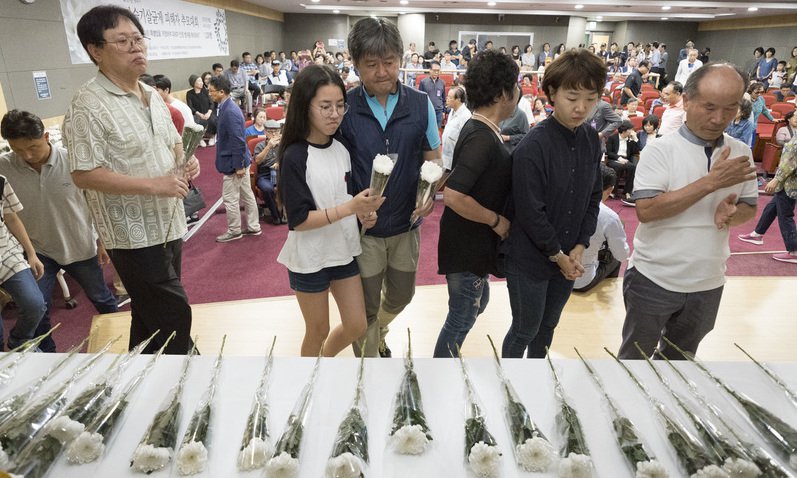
x,y
344,465
738,468
148,458
64,429
254,455
3,458
431,172
410,440
575,466
651,469
383,164
192,458
483,460
711,471
536,454
282,466
86,448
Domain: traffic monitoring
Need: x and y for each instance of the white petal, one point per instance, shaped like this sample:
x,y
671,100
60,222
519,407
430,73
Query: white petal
x,y
254,455
738,468
383,164
192,458
483,460
148,458
64,429
3,458
344,465
651,469
575,466
536,454
410,440
711,471
86,448
282,466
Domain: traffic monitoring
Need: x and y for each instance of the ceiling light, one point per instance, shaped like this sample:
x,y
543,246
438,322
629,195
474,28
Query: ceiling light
x,y
599,17
752,9
666,7
490,4
336,11
579,7
404,2
665,18
315,1
402,13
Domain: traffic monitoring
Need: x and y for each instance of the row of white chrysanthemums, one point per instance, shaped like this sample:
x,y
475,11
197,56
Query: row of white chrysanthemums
x,y
35,433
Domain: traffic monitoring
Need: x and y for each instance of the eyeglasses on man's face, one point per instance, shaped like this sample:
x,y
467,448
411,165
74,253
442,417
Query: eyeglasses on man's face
x,y
128,43
327,110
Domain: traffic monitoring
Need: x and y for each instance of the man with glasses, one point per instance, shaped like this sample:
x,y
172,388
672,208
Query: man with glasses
x,y
433,86
126,155
239,83
387,117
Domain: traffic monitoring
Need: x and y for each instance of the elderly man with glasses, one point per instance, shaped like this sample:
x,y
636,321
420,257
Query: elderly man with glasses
x,y
126,155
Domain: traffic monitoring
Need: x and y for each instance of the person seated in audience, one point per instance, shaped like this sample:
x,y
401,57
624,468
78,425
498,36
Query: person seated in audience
x,y
446,63
322,214
453,51
786,133
608,247
266,177
650,131
250,68
278,76
414,64
318,49
349,79
687,66
164,86
176,115
741,127
622,155
457,117
201,106
674,115
239,82
540,110
206,76
784,188
285,62
631,109
263,68
785,93
217,69
258,127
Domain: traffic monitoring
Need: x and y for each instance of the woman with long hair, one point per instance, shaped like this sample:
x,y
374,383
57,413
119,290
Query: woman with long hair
x,y
323,238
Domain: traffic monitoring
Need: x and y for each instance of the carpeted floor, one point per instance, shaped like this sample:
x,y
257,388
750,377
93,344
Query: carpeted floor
x,y
247,268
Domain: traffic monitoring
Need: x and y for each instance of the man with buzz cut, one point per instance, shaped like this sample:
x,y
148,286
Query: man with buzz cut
x,y
690,188
386,117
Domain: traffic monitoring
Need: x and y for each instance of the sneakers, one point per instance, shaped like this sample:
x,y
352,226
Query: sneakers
x,y
785,257
252,232
628,202
122,300
752,238
229,236
384,350
212,141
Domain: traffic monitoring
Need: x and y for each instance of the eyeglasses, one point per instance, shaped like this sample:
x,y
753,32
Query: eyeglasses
x,y
326,110
127,44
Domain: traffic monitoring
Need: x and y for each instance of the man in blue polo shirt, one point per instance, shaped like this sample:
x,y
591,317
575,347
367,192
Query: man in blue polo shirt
x,y
386,117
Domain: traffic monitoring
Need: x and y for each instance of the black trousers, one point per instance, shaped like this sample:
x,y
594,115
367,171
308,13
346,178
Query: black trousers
x,y
608,266
157,298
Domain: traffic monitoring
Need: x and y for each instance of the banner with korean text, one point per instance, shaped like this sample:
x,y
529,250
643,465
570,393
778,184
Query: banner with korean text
x,y
176,29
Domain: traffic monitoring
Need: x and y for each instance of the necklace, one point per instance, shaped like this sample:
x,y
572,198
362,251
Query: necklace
x,y
494,127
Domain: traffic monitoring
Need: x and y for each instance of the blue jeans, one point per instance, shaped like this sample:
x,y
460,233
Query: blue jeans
x,y
536,307
30,310
88,274
782,207
468,295
266,185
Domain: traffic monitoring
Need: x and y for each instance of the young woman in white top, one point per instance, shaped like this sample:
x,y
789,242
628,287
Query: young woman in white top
x,y
323,236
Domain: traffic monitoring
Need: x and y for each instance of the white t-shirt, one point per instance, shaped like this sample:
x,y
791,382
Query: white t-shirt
x,y
184,110
686,252
456,120
610,229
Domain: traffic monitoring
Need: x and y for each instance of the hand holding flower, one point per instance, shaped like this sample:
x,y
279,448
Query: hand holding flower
x,y
192,168
362,204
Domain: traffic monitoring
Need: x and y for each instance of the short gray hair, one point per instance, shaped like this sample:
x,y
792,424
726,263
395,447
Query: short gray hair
x,y
374,37
692,86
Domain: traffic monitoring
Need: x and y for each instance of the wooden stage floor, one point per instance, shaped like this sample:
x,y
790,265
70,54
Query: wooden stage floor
x,y
758,313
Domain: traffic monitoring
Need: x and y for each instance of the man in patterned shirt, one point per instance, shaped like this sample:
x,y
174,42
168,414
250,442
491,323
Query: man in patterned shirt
x,y
125,153
18,276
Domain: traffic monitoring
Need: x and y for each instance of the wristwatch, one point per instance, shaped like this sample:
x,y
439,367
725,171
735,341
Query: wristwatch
x,y
555,257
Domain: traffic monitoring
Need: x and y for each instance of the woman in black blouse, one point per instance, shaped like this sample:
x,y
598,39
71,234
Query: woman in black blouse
x,y
201,105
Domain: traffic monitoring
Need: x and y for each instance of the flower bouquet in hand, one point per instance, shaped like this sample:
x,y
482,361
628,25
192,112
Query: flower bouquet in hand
x,y
481,450
98,434
381,169
409,433
349,456
256,443
641,461
768,466
576,461
694,458
533,451
431,173
192,136
778,433
156,447
16,355
285,461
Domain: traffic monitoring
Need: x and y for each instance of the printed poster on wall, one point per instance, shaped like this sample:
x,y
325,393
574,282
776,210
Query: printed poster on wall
x,y
176,29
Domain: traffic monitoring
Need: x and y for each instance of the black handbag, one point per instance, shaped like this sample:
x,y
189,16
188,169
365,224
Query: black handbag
x,y
193,202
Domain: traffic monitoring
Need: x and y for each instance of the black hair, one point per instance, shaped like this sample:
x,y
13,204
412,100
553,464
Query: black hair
x,y
92,25
220,83
625,126
459,93
374,37
608,177
234,63
297,120
245,53
17,124
216,65
751,88
786,118
527,47
575,69
770,49
676,86
644,63
759,49
453,42
260,55
147,80
192,79
651,119
163,82
490,75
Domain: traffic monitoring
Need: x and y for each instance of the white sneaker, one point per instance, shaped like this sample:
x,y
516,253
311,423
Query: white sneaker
x,y
203,143
212,141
